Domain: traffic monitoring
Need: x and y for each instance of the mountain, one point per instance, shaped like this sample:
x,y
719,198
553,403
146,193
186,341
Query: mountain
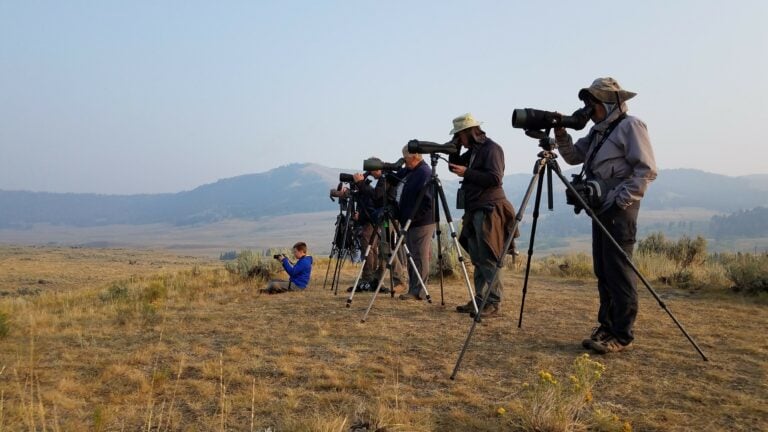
x,y
303,188
295,188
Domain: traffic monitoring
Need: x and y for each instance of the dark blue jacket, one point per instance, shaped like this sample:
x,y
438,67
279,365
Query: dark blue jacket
x,y
300,272
415,181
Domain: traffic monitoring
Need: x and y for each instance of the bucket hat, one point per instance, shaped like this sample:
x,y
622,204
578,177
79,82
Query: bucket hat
x,y
607,90
465,121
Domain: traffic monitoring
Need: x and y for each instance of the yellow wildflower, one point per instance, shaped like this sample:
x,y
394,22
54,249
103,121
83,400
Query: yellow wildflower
x,y
501,411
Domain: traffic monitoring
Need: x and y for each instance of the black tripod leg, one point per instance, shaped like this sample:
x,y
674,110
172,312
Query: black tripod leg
x,y
400,240
536,205
368,249
438,232
628,260
337,274
328,269
541,163
454,239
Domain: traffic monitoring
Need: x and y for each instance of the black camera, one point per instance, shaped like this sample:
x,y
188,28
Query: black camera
x,y
375,164
529,119
421,147
346,178
592,191
278,256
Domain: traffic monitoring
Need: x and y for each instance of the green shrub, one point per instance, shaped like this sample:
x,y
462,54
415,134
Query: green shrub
x,y
5,326
451,266
572,266
749,273
680,263
156,290
552,404
118,291
249,265
149,314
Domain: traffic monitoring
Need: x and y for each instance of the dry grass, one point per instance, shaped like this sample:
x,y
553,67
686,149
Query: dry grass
x,y
117,346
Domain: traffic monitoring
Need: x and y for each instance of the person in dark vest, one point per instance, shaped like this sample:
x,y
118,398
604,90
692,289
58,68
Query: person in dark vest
x,y
488,215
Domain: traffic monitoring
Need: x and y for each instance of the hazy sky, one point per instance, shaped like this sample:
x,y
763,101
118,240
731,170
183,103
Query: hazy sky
x,y
163,96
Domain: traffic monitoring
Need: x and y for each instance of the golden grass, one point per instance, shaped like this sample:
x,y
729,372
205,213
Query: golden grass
x,y
196,349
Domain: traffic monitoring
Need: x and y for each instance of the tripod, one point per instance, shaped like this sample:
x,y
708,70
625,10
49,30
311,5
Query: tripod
x,y
547,162
386,222
342,244
438,197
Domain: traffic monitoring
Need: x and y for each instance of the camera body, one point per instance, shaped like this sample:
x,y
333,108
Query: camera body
x,y
592,191
278,256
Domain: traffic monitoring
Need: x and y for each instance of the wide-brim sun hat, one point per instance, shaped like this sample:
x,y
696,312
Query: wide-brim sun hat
x,y
607,90
462,122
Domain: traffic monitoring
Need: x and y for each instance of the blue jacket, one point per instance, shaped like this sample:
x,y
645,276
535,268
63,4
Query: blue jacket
x,y
300,272
415,180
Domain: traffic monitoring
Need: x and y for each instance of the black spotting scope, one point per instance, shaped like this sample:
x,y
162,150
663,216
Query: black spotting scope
x,y
375,164
421,147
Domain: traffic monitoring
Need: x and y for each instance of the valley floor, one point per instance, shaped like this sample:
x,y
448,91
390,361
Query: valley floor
x,y
142,340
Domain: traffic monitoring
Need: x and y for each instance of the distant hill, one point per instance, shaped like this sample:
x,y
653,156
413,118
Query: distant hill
x,y
303,188
295,188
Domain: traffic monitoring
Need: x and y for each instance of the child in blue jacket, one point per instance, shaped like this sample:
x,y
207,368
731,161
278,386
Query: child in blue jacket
x,y
298,273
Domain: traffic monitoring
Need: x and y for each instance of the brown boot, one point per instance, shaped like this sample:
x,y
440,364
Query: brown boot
x,y
599,334
609,345
466,308
491,310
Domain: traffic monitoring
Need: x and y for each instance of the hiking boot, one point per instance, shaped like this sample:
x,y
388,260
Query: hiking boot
x,y
382,290
490,310
599,334
609,345
409,296
466,308
400,288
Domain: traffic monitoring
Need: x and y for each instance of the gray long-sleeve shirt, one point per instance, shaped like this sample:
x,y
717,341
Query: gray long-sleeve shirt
x,y
626,154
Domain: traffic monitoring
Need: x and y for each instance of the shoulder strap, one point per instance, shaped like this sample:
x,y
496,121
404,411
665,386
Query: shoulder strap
x,y
608,131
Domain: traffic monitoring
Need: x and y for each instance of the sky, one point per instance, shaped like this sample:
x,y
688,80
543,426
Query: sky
x,y
118,97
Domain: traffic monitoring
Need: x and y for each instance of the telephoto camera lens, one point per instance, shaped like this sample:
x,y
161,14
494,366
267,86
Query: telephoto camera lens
x,y
529,118
346,178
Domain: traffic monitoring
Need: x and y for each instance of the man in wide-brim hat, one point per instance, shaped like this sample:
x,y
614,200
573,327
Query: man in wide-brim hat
x,y
616,152
488,215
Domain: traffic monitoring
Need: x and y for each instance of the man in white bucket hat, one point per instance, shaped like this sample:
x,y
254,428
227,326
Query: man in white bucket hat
x,y
488,215
618,153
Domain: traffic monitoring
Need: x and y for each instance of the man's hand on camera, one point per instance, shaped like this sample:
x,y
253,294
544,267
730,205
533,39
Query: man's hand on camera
x,y
358,177
459,170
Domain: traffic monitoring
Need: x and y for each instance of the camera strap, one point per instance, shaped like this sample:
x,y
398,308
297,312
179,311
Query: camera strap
x,y
585,168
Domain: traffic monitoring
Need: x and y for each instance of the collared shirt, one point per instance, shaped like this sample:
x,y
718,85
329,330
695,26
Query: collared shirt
x,y
482,182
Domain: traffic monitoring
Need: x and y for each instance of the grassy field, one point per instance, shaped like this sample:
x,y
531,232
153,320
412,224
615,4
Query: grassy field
x,y
137,340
